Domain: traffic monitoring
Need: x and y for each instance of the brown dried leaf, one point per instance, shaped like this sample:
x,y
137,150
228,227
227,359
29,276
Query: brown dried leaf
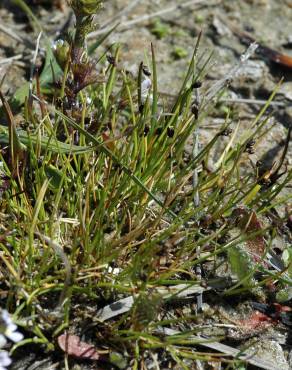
x,y
73,346
255,321
249,222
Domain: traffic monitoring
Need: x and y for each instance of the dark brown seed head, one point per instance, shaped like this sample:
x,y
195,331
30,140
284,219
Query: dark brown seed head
x,y
226,132
195,110
170,132
111,60
250,146
146,71
146,130
196,85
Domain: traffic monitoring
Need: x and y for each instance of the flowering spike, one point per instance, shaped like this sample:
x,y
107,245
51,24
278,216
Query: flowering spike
x,y
85,7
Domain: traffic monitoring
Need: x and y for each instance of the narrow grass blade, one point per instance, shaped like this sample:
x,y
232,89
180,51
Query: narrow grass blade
x,y
100,40
115,159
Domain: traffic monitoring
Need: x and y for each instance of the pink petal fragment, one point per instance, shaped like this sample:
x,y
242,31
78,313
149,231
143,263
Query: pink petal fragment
x,y
73,346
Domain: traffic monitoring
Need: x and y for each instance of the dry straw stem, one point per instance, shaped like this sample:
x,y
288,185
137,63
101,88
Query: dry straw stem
x,y
124,305
60,253
9,32
223,348
220,84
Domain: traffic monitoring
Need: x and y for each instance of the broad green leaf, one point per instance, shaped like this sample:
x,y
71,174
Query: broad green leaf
x,y
50,144
46,78
54,175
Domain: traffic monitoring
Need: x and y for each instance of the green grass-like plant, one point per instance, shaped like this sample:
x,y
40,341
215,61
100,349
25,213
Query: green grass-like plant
x,y
97,203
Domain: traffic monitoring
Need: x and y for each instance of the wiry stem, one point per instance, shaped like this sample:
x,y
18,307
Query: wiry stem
x,y
196,199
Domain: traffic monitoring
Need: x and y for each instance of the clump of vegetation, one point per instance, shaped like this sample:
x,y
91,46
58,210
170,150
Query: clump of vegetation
x,y
159,29
179,52
107,219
